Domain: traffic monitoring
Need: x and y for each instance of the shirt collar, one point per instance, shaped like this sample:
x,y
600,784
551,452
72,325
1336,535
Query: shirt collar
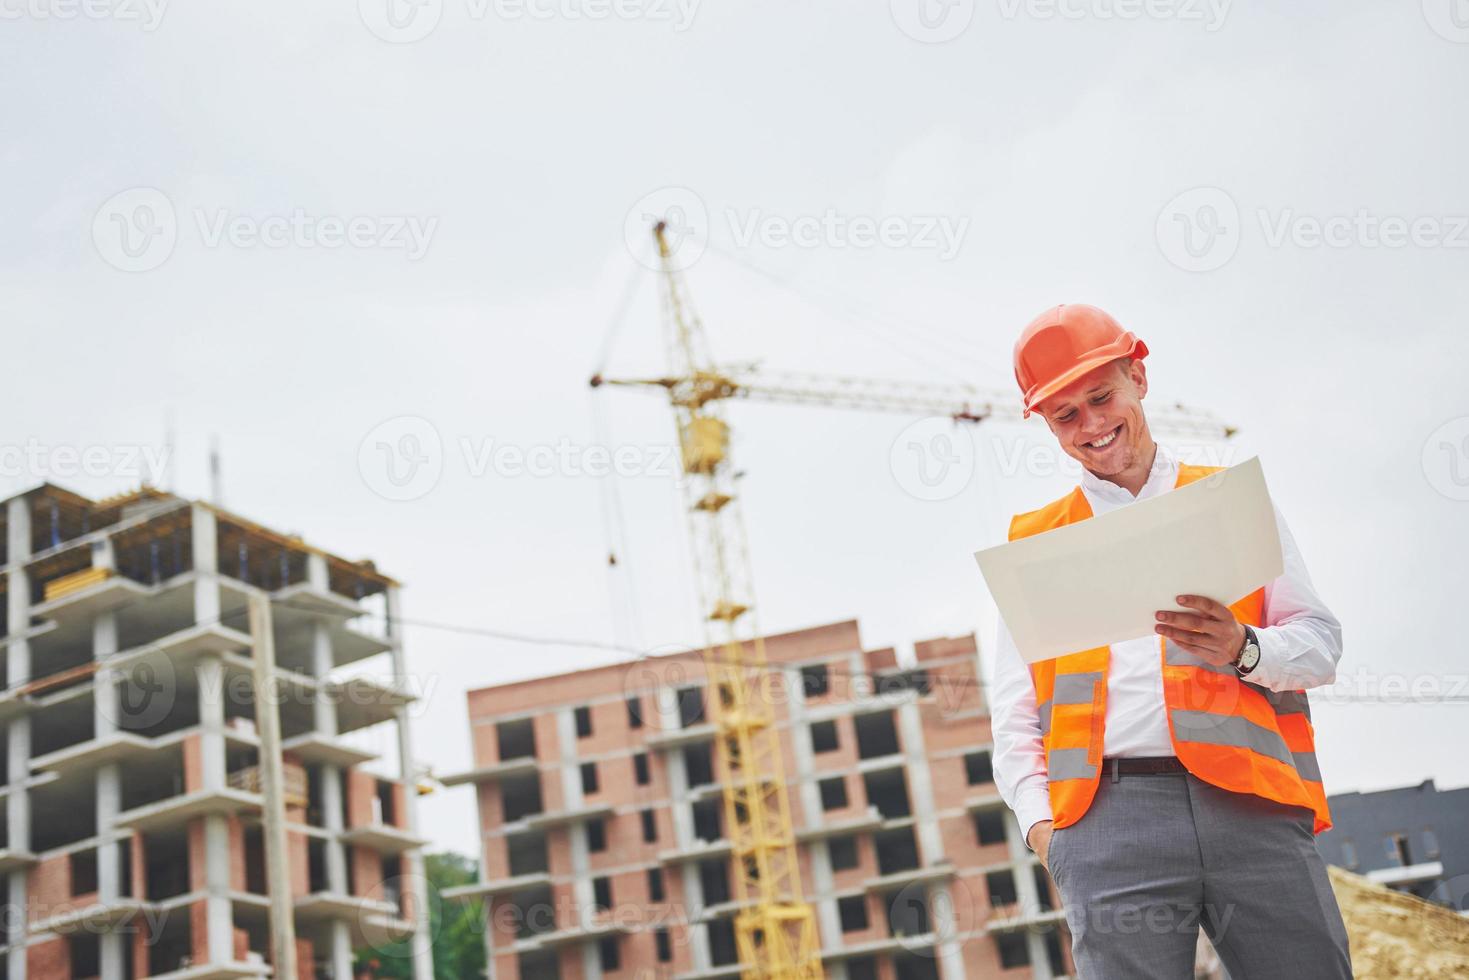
x,y
1162,478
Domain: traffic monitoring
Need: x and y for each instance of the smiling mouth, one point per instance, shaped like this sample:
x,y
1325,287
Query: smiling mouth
x,y
1102,442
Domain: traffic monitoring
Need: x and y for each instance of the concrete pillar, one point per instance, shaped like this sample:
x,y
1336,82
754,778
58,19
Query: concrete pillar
x,y
204,544
219,921
417,880
210,672
828,919
920,781
1022,865
323,707
18,744
105,722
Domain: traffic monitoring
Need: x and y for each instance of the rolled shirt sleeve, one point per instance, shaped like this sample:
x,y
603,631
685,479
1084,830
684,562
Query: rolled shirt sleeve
x,y
1020,757
1300,644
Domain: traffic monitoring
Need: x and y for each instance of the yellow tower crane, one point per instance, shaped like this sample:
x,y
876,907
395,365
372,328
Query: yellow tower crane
x,y
775,929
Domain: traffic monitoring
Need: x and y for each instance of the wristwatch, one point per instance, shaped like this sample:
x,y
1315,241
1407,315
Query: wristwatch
x,y
1249,654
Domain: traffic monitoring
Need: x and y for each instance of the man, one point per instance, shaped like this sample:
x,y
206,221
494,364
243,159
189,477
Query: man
x,y
1169,781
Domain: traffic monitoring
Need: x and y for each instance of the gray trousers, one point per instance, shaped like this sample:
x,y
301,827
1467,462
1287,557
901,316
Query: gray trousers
x,y
1156,857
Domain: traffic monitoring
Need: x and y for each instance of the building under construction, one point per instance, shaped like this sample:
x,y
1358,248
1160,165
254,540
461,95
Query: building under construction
x,y
132,763
605,845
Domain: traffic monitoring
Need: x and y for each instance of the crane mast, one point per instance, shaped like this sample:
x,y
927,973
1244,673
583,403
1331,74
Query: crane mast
x,y
775,929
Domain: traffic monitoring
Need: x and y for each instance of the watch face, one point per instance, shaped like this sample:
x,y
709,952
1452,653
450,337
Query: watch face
x,y
1249,657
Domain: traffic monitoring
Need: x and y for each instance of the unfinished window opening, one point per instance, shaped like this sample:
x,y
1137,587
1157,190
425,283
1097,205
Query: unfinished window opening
x,y
543,965
912,966
815,680
690,706
908,912
978,769
708,819
852,910
714,881
916,679
62,725
171,947
897,850
862,968
1043,889
634,712
589,781
85,951
255,882
166,864
583,721
385,804
601,894
71,809
843,852
527,854
532,912
1398,850
721,934
833,793
640,769
596,835
887,790
655,885
877,735
1013,950
82,867
698,764
989,826
824,736
609,954
1001,888
521,796
1053,953
516,739
650,827
663,944
316,876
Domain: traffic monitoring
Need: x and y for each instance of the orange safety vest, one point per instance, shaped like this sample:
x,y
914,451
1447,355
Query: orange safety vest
x,y
1235,735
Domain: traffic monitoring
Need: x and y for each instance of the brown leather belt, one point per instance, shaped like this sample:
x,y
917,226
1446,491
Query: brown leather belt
x,y
1161,765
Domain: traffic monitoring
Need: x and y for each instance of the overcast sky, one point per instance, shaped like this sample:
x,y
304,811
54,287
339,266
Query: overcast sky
x,y
290,224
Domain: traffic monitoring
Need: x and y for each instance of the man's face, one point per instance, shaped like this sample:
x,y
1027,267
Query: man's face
x,y
1098,418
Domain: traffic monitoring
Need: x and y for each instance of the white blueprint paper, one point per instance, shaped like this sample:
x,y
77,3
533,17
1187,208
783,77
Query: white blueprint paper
x,y
1101,580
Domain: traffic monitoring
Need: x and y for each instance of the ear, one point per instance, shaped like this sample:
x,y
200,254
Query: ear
x,y
1137,373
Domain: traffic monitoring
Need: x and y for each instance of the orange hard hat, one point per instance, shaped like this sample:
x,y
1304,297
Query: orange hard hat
x,y
1064,343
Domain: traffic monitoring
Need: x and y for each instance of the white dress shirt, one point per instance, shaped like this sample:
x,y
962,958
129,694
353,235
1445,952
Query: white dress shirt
x,y
1299,648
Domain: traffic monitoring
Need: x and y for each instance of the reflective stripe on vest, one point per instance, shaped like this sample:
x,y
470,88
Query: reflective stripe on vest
x,y
1227,732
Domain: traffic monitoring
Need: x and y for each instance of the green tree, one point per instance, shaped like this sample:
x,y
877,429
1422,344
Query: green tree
x,y
456,928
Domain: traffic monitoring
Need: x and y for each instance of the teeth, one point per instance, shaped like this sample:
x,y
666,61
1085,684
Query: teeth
x,y
1105,441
